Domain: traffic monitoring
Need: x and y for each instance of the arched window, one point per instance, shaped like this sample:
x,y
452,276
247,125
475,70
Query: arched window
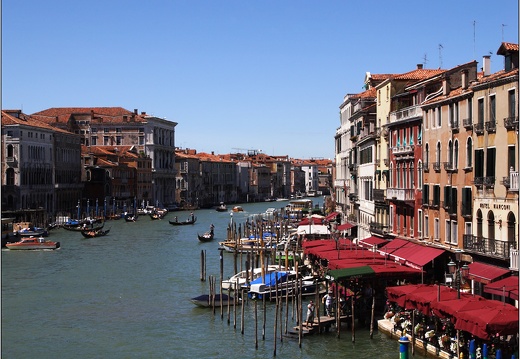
x,y
10,151
426,155
438,153
450,153
491,226
456,154
469,152
419,174
479,223
511,227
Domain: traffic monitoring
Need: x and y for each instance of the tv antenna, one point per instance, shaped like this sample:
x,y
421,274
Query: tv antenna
x,y
425,59
474,39
503,25
440,56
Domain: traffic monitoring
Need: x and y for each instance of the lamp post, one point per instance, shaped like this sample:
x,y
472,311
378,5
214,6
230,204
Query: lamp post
x,y
458,272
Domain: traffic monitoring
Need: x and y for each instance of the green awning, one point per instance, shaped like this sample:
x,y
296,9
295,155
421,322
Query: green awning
x,y
350,273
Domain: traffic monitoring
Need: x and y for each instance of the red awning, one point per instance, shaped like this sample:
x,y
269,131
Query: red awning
x,y
485,273
489,322
332,216
507,286
422,256
315,220
392,246
373,241
405,251
345,226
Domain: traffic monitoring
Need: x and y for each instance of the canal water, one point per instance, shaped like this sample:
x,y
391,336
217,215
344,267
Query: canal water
x,y
127,295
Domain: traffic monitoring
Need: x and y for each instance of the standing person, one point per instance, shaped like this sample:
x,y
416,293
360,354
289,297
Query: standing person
x,y
192,216
327,300
310,314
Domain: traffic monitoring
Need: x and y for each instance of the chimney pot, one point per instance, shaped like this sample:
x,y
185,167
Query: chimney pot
x,y
135,111
486,65
419,66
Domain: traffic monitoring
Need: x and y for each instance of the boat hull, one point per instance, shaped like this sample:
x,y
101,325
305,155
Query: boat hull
x,y
205,301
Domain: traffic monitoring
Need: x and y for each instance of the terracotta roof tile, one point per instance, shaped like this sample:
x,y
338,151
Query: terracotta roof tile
x,y
507,47
28,120
419,74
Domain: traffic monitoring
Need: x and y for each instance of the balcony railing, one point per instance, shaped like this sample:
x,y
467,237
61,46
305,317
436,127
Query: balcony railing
x,y
513,181
491,126
450,167
353,167
436,166
400,194
487,246
434,203
426,167
403,150
478,128
10,159
379,195
378,228
467,123
478,181
510,123
406,114
353,197
455,125
489,181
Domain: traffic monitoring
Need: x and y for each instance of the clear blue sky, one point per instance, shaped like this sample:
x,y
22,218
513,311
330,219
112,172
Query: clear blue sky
x,y
245,74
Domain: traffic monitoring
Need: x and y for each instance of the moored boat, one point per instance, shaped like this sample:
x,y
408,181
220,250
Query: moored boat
x,y
89,233
131,217
206,300
277,284
33,232
240,279
238,209
28,243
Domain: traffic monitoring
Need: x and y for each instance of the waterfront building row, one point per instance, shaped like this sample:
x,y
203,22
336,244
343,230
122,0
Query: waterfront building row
x,y
431,156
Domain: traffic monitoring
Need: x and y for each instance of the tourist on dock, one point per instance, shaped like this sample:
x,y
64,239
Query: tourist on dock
x,y
327,300
310,314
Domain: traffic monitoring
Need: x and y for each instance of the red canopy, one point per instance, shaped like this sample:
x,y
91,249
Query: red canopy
x,y
507,286
345,226
332,216
315,220
485,273
450,308
488,322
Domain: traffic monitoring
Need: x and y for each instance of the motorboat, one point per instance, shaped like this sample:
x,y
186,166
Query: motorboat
x,y
33,243
238,209
241,278
206,300
33,232
277,284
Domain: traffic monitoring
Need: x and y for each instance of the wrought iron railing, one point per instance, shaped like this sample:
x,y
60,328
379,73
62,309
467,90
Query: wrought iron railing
x,y
487,246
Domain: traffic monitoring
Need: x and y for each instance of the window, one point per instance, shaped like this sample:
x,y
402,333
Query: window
x,y
10,150
419,174
426,155
427,119
511,157
456,155
420,215
106,130
106,140
93,140
439,116
469,153
119,140
479,163
480,111
450,153
141,140
118,129
511,101
454,233
467,200
447,231
490,162
426,194
426,227
436,229
436,195
438,153
492,109
470,109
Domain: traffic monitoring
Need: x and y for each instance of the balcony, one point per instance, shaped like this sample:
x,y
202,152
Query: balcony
x,y
353,167
379,195
386,161
489,181
434,204
353,138
426,167
486,246
511,123
513,259
408,113
491,126
478,181
378,228
10,159
478,128
450,167
400,194
436,166
467,123
403,150
353,197
455,126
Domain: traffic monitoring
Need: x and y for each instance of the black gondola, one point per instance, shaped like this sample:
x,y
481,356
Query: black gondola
x,y
190,220
90,233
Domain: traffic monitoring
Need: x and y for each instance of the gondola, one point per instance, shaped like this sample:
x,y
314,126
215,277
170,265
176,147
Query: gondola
x,y
190,220
89,233
131,217
82,227
206,237
155,216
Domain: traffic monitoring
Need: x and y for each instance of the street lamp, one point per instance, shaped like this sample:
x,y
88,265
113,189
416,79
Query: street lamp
x,y
458,272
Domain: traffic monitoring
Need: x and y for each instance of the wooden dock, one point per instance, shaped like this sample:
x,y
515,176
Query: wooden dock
x,y
318,326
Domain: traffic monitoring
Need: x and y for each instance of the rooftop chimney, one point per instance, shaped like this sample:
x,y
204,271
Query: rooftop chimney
x,y
486,65
464,79
419,66
446,86
135,111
